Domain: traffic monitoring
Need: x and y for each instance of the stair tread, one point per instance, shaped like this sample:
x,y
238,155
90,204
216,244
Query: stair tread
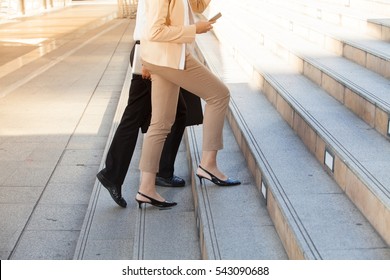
x,y
169,234
234,219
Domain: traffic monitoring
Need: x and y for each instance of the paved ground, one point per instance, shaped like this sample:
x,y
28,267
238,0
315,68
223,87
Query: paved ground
x,y
61,76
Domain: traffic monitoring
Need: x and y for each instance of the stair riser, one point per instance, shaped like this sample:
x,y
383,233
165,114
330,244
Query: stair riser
x,y
379,31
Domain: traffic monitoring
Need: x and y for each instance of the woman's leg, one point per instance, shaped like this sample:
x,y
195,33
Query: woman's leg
x,y
197,79
172,143
164,103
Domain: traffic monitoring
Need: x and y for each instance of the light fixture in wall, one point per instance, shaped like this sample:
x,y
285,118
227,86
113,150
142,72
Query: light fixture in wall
x,y
329,159
264,189
388,127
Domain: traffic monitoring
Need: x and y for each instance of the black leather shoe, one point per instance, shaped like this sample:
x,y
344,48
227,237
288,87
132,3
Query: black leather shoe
x,y
114,191
173,181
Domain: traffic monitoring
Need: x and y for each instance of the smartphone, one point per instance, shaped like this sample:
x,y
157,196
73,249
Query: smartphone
x,y
214,18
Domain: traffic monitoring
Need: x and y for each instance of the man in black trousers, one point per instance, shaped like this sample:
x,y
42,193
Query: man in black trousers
x,y
137,115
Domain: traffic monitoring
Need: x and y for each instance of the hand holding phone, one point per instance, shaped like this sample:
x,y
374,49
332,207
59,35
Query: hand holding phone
x,y
214,18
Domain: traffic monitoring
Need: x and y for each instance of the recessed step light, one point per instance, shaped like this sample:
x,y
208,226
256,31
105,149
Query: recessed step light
x,y
329,160
388,127
264,190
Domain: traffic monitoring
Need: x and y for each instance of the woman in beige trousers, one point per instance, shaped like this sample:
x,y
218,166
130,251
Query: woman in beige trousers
x,y
170,26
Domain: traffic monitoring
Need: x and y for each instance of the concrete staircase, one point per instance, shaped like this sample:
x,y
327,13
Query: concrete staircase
x,y
310,112
307,132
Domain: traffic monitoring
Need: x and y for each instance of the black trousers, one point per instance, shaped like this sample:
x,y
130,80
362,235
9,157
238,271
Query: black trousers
x,y
135,117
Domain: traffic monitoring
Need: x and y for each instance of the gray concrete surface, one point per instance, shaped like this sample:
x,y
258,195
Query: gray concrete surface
x,y
59,87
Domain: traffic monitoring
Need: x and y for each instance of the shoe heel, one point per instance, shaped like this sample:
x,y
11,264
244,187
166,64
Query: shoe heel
x,y
139,203
200,178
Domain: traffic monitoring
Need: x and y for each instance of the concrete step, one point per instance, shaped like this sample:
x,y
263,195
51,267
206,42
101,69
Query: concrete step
x,y
169,234
361,90
352,44
373,24
233,222
350,141
107,231
358,154
302,199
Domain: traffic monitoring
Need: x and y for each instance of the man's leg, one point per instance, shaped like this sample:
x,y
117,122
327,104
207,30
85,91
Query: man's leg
x,y
165,176
125,138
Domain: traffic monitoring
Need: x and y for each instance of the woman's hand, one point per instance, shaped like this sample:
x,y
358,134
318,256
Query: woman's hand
x,y
203,26
145,73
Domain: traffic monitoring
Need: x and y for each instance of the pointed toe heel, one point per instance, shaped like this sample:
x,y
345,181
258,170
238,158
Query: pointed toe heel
x,y
224,183
154,202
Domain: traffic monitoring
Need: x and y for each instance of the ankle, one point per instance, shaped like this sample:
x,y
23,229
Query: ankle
x,y
147,195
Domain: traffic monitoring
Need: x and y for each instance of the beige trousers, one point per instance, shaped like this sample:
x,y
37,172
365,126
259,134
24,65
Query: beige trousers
x,y
166,83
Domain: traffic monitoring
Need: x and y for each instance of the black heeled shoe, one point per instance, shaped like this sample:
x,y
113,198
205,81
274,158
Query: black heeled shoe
x,y
154,202
217,181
